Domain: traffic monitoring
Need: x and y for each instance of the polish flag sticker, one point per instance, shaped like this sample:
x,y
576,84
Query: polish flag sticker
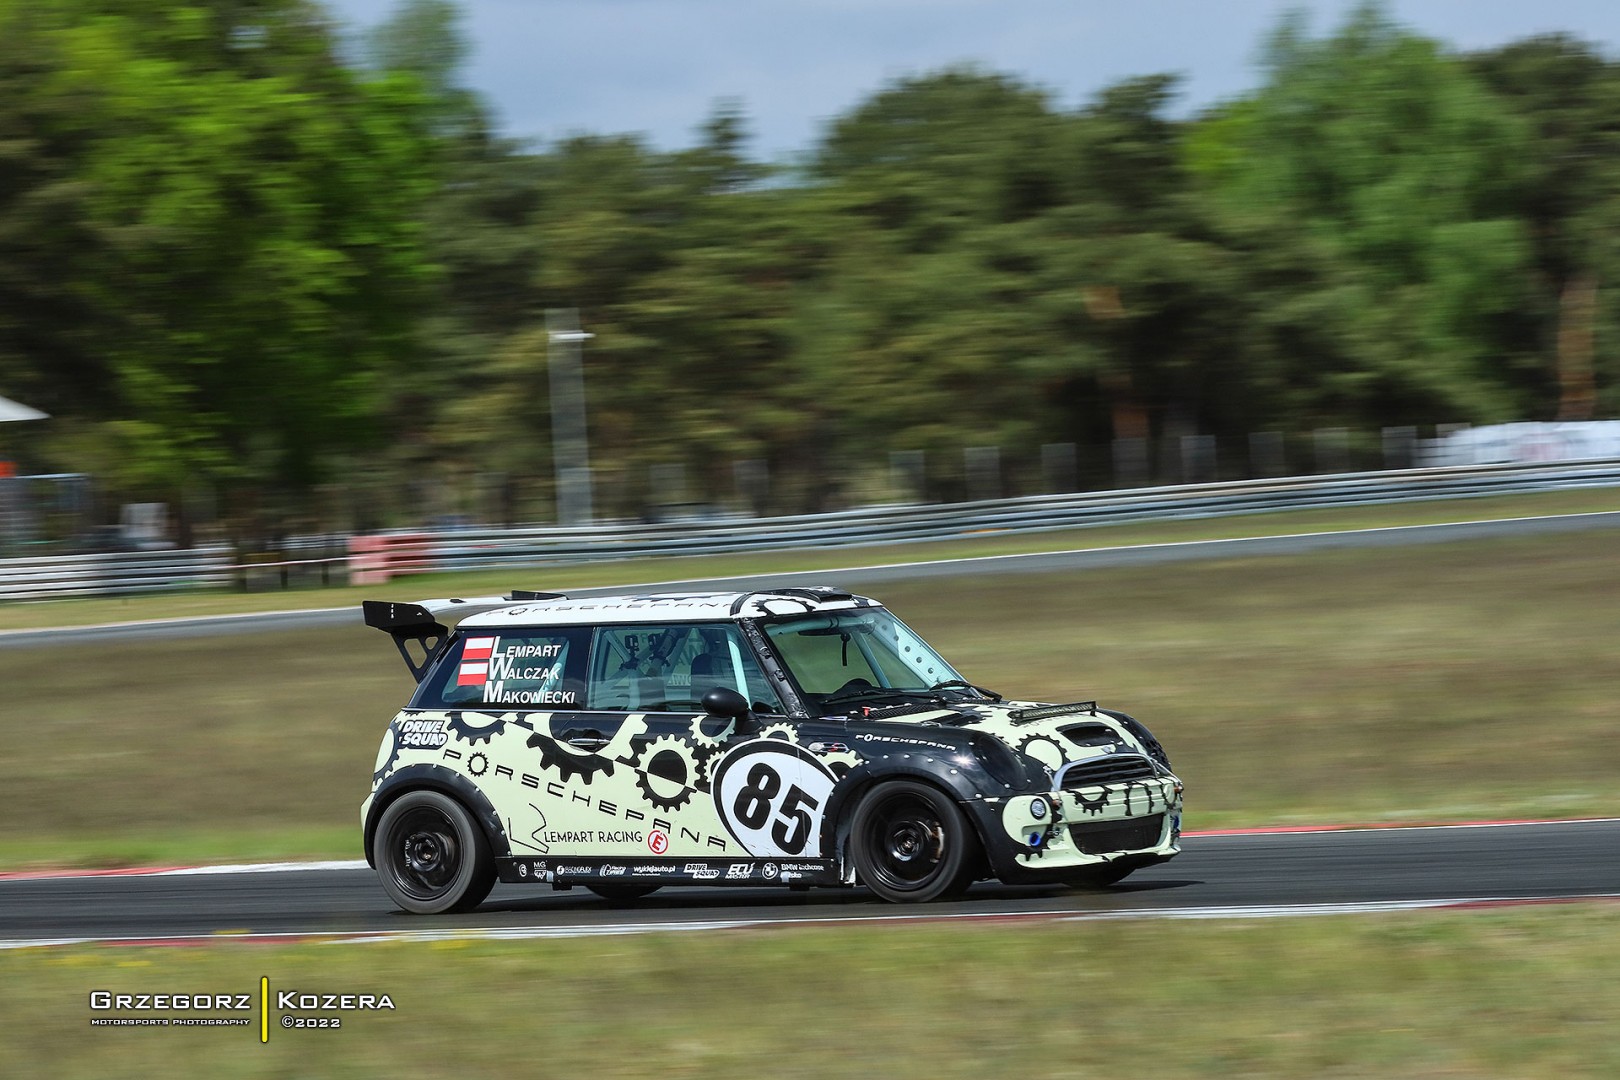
x,y
474,670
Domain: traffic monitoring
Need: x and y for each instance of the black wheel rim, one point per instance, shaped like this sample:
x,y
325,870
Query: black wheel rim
x,y
424,853
907,841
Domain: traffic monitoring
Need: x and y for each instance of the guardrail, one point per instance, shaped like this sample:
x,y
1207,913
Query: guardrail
x,y
116,573
375,558
474,549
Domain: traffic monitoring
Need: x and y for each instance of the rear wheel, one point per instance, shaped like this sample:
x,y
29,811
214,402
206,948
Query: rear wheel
x,y
431,856
622,892
911,843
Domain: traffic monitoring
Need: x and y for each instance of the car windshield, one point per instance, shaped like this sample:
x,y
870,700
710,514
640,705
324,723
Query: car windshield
x,y
867,654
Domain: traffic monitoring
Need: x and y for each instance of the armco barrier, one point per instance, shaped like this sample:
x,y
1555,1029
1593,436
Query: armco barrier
x,y
374,559
115,573
471,549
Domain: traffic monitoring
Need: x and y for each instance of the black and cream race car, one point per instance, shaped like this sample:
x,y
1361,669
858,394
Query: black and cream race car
x,y
794,737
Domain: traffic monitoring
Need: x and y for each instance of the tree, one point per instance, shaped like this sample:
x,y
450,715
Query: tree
x,y
1569,98
1405,172
255,255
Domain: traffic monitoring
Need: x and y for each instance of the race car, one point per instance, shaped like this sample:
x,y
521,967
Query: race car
x,y
797,737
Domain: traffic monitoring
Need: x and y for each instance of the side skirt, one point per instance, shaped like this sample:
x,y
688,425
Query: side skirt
x,y
584,870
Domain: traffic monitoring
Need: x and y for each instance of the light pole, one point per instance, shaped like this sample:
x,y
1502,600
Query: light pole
x,y
570,451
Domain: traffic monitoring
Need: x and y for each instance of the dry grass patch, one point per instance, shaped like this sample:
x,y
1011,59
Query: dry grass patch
x,y
1426,683
1527,994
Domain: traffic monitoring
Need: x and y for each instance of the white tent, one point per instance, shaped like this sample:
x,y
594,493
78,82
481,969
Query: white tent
x,y
11,410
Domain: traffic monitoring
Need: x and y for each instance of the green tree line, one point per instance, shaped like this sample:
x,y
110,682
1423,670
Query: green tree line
x,y
259,269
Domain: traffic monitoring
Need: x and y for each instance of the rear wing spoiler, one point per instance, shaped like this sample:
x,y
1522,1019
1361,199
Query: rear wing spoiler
x,y
426,623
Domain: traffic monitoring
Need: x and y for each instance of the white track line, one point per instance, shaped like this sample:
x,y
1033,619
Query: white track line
x,y
528,933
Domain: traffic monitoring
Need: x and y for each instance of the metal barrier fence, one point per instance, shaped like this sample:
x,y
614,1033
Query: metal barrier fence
x,y
115,573
375,558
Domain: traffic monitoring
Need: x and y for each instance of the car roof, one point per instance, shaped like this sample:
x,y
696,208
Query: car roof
x,y
666,607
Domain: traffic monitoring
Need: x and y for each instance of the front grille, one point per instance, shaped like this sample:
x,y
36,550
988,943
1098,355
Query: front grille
x,y
1109,769
1132,834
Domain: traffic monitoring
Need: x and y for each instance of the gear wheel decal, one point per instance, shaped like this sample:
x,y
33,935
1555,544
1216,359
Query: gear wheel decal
x,y
780,732
1044,750
840,764
481,729
711,731
387,755
1092,806
669,771
478,764
568,762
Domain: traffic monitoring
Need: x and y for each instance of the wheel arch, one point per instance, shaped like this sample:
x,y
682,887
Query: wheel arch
x,y
440,779
863,778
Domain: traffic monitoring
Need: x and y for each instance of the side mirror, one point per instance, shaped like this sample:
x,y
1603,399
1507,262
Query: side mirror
x,y
724,701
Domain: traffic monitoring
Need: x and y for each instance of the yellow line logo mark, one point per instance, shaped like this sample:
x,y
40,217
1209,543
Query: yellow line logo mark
x,y
264,1008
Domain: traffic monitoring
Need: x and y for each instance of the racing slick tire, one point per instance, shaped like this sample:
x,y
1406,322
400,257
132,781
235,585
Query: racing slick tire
x,y
623,892
911,843
431,856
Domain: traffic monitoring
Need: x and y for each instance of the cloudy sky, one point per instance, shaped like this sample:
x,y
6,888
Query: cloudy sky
x,y
552,68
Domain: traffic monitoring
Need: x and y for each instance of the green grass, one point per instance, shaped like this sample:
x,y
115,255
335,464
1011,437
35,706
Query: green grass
x,y
1428,683
632,571
1525,994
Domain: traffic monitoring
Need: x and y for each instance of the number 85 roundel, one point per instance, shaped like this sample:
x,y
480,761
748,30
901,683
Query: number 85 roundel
x,y
771,796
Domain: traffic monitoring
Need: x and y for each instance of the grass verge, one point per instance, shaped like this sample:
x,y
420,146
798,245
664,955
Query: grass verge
x,y
83,612
1434,683
1526,993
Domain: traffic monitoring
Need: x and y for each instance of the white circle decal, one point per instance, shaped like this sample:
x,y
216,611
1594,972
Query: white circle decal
x,y
772,796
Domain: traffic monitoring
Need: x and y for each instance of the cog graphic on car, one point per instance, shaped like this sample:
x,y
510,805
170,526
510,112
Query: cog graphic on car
x,y
479,729
711,731
1043,750
568,762
387,754
669,771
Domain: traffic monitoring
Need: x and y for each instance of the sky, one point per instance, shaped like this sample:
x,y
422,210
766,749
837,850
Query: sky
x,y
554,68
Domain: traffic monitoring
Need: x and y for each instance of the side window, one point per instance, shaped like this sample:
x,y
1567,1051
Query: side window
x,y
670,668
526,668
823,660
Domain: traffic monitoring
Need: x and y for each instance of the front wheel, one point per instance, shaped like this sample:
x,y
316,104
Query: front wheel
x,y
431,856
911,843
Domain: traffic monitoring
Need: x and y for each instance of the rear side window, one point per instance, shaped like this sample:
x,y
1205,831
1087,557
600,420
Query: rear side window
x,y
522,669
669,668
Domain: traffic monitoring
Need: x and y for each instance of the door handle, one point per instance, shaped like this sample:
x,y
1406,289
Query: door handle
x,y
589,740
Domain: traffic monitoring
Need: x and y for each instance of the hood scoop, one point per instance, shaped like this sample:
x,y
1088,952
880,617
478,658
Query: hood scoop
x,y
1093,736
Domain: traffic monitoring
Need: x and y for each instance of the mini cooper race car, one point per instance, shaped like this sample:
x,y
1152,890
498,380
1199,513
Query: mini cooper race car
x,y
798,736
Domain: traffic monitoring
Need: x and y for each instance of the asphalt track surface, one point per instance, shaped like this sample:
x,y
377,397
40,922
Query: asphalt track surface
x,y
863,576
1217,875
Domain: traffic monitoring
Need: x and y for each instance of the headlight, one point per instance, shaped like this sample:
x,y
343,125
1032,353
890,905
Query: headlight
x,y
999,761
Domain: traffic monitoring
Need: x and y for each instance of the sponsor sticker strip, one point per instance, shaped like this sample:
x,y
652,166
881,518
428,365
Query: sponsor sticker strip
x,y
738,871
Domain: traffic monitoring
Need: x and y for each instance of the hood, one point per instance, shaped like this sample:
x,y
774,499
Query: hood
x,y
1051,736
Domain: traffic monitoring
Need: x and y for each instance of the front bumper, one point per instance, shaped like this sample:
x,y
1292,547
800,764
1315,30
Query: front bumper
x,y
1056,833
